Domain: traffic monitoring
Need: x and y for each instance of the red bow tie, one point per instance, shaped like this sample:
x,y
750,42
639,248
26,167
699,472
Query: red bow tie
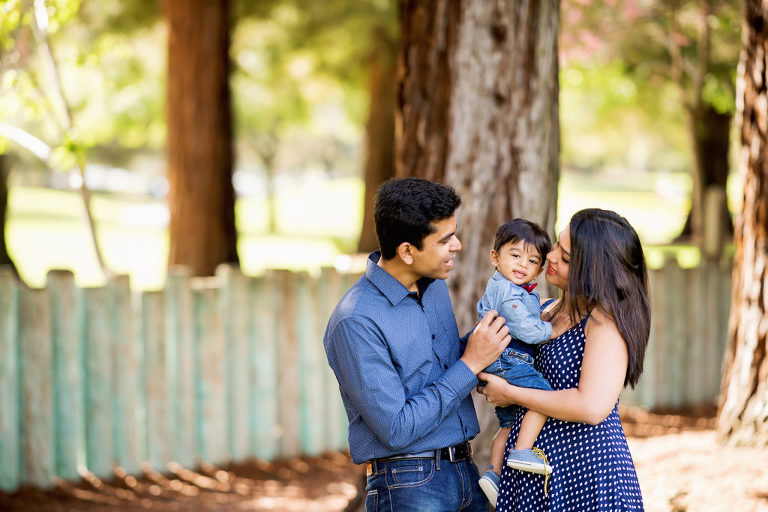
x,y
529,287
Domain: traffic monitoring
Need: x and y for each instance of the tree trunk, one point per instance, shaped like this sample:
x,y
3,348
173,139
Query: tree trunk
x,y
379,134
710,141
743,417
201,196
478,110
5,258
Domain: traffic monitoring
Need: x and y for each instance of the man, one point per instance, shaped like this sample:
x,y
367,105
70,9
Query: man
x,y
404,374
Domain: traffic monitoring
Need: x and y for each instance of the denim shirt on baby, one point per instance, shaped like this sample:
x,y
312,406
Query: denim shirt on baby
x,y
520,308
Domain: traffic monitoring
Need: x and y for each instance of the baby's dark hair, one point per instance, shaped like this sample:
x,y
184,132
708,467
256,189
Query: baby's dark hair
x,y
529,232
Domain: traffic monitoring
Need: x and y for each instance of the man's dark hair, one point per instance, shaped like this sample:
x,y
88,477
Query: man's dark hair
x,y
405,209
530,233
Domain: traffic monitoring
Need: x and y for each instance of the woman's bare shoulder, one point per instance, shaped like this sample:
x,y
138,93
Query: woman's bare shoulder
x,y
601,323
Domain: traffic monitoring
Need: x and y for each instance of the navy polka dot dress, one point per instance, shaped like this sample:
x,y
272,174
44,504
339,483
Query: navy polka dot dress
x,y
592,466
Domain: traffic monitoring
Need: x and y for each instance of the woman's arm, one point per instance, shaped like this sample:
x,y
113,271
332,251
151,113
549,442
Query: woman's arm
x,y
602,378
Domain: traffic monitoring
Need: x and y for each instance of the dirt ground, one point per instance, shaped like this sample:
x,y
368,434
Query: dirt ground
x,y
680,466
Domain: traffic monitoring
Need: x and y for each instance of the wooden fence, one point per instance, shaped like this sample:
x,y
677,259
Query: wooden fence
x,y
207,370
689,330
232,367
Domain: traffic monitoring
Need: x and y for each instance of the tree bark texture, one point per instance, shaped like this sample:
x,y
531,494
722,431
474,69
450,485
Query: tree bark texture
x,y
200,157
379,134
743,417
478,110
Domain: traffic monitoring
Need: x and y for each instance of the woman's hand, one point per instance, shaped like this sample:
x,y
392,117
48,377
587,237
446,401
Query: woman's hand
x,y
496,390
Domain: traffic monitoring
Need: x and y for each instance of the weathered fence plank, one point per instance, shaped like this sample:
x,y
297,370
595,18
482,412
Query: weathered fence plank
x,y
125,379
155,381
263,359
236,314
67,373
10,456
210,372
312,365
287,369
37,413
331,288
180,346
698,323
97,349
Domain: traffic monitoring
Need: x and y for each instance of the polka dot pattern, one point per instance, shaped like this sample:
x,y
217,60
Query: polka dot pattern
x,y
592,466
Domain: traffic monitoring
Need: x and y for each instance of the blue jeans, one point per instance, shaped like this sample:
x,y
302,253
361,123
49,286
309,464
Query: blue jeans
x,y
425,485
517,369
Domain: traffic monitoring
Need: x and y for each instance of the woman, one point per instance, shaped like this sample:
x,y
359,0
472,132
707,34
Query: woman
x,y
600,330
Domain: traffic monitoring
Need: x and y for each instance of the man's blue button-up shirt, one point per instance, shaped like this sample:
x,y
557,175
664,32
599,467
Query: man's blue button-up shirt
x,y
396,356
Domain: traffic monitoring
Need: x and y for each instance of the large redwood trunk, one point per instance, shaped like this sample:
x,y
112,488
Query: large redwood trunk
x,y
379,133
478,110
201,198
743,415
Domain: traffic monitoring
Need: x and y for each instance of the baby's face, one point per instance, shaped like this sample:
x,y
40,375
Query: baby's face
x,y
519,262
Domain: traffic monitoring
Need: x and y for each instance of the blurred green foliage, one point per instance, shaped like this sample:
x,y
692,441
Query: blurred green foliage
x,y
631,68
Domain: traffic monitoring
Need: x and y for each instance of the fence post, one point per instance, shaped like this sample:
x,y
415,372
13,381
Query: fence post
x,y
67,373
313,419
97,341
329,293
37,426
263,365
155,380
211,380
287,369
235,313
720,287
699,331
10,458
181,355
126,378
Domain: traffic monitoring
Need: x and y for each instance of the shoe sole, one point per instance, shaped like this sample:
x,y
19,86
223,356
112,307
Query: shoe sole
x,y
490,490
531,468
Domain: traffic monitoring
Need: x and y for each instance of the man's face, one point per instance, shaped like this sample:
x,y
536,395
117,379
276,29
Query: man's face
x,y
435,259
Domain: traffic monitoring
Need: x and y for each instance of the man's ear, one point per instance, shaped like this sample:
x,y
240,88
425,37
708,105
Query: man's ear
x,y
405,251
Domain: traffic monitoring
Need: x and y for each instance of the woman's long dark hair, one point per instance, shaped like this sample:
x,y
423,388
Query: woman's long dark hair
x,y
607,270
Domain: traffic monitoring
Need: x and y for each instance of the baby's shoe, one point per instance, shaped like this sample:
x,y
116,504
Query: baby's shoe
x,y
533,461
489,483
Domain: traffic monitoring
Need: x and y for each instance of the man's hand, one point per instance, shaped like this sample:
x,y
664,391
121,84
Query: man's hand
x,y
486,343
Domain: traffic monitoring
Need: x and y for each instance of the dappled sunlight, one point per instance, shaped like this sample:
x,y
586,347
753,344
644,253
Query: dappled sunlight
x,y
324,484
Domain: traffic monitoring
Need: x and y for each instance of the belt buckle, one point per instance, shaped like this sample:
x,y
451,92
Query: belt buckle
x,y
452,453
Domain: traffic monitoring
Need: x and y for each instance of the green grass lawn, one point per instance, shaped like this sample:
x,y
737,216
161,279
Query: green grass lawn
x,y
318,220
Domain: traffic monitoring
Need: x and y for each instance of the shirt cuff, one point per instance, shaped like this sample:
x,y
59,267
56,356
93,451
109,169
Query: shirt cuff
x,y
461,378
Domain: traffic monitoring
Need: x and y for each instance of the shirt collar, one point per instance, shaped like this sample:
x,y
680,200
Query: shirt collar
x,y
390,287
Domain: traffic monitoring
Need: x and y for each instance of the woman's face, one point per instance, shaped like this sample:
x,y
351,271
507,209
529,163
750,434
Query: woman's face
x,y
558,260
